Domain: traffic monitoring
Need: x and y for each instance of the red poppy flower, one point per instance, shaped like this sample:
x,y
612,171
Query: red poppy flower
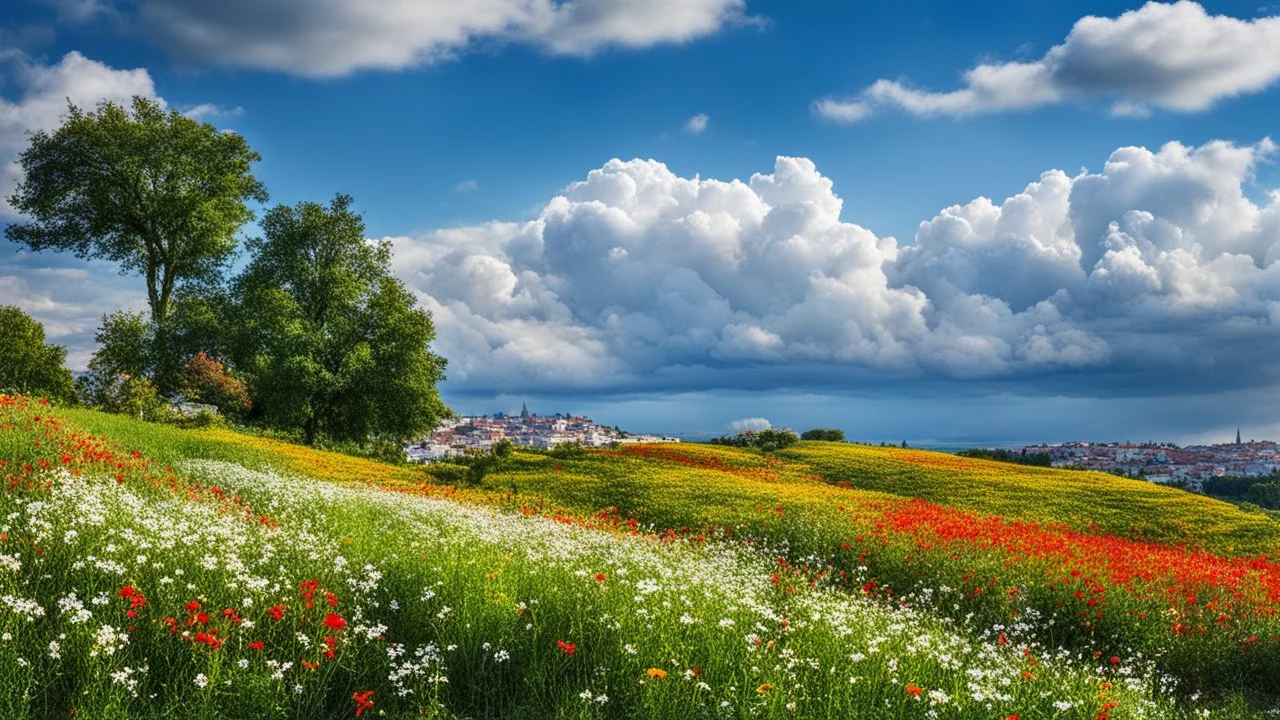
x,y
913,690
256,645
192,606
568,647
362,701
334,622
127,591
277,612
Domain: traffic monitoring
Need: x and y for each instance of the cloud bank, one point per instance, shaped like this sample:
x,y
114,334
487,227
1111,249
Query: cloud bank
x,y
1168,56
1158,269
337,37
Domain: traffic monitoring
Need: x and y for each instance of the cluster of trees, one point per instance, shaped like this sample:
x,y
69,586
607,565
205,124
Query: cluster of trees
x,y
1261,491
27,364
826,434
768,440
1021,457
1265,494
314,336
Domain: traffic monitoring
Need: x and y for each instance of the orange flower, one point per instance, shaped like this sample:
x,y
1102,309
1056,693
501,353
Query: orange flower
x,y
913,690
764,688
656,673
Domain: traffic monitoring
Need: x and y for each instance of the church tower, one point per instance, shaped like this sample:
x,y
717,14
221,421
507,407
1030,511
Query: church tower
x,y
524,414
1238,437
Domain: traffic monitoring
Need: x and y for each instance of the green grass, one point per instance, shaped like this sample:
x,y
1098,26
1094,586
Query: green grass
x,y
822,509
450,610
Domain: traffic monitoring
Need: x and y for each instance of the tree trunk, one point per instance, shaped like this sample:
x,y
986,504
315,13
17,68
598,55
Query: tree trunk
x,y
309,430
153,294
166,292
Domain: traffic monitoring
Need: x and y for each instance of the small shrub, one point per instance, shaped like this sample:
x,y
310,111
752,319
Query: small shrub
x,y
206,380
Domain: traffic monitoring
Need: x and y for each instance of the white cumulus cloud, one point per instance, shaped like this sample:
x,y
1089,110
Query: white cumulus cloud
x,y
1168,56
697,124
751,423
637,278
336,37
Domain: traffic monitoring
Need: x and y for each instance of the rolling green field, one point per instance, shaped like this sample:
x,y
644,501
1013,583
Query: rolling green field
x,y
664,581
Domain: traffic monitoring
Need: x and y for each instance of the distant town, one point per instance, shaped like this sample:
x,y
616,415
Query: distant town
x,y
472,434
1158,462
1166,462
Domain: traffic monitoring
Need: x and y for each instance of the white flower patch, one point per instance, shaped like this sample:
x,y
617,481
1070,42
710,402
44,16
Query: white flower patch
x,y
26,608
107,641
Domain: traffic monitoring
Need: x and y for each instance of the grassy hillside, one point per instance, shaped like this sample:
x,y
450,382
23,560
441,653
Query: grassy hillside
x,y
976,549
698,484
1083,500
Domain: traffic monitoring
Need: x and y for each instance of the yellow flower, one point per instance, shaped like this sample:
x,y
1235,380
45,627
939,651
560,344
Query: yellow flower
x,y
656,673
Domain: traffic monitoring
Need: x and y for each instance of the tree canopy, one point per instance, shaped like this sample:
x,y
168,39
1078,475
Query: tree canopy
x,y
331,344
154,191
827,434
27,364
768,439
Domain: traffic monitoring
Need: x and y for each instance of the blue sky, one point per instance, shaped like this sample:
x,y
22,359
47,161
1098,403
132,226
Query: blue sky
x,y
455,126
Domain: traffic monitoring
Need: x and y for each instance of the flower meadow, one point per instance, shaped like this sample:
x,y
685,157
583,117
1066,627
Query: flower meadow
x,y
132,586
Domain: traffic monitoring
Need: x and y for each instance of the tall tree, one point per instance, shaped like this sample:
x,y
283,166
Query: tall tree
x,y
27,364
331,343
156,192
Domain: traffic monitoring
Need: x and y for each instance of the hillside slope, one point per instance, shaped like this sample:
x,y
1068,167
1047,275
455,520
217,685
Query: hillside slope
x,y
1083,500
693,483
170,586
1093,582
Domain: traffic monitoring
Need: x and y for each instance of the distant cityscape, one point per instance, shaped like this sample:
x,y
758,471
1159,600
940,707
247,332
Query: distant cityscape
x,y
1166,462
472,434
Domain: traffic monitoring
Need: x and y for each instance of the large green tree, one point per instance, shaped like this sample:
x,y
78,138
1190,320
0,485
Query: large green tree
x,y
152,190
27,364
331,343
